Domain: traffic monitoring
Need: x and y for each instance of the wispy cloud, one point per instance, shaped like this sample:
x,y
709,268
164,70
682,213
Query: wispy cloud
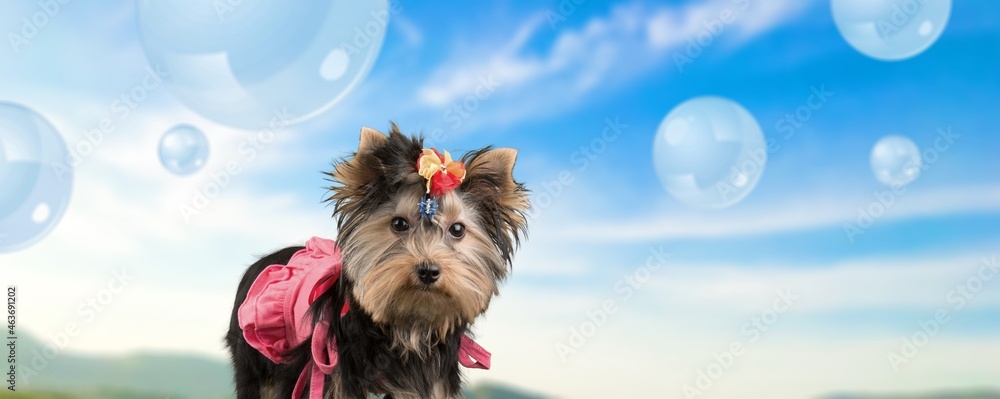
x,y
792,215
856,285
629,43
409,30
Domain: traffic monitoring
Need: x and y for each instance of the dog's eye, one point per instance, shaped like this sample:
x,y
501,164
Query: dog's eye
x,y
399,224
457,230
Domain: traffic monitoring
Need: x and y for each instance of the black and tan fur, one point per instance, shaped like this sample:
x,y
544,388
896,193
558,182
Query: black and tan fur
x,y
400,337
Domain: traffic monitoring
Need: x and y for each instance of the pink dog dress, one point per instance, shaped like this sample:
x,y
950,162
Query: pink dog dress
x,y
275,316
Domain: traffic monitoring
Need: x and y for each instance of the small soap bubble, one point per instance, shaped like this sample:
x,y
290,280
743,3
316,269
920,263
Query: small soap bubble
x,y
896,161
183,150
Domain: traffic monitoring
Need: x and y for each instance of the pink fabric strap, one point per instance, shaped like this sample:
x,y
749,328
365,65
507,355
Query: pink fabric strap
x,y
473,356
324,359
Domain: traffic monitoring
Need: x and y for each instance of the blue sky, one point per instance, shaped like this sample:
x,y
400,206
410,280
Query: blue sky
x,y
558,86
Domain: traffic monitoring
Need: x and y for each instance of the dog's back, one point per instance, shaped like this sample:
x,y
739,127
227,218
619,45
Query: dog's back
x,y
252,369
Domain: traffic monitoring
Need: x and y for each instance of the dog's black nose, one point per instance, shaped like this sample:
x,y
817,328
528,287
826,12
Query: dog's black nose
x,y
428,273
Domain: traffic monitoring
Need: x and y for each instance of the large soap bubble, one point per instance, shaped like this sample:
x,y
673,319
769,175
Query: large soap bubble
x,y
245,63
183,150
891,30
709,152
35,183
895,161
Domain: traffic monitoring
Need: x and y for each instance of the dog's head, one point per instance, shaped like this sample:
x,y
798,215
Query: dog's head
x,y
408,270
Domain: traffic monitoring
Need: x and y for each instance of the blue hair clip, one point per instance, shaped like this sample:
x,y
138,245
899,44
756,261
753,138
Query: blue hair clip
x,y
428,207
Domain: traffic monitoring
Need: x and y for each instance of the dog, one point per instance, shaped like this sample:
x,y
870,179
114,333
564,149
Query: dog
x,y
424,244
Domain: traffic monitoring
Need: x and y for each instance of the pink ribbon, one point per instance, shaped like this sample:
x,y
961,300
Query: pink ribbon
x,y
324,359
473,356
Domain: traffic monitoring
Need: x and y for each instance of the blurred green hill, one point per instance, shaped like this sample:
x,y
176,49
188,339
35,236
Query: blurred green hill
x,y
492,391
175,375
96,394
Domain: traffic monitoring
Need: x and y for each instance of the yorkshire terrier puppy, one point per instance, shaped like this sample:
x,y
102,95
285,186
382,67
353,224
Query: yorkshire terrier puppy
x,y
424,243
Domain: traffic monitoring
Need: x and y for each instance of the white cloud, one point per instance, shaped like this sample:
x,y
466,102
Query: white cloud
x,y
870,284
628,43
793,215
675,26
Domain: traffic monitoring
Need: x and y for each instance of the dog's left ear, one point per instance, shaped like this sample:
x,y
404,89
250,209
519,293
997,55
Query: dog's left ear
x,y
503,201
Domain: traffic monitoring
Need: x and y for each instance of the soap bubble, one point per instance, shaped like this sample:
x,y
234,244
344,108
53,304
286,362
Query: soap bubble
x,y
245,63
183,150
35,184
709,152
895,161
891,30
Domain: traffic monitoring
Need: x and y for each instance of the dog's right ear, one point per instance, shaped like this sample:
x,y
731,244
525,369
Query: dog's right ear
x,y
371,139
352,175
355,179
368,178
